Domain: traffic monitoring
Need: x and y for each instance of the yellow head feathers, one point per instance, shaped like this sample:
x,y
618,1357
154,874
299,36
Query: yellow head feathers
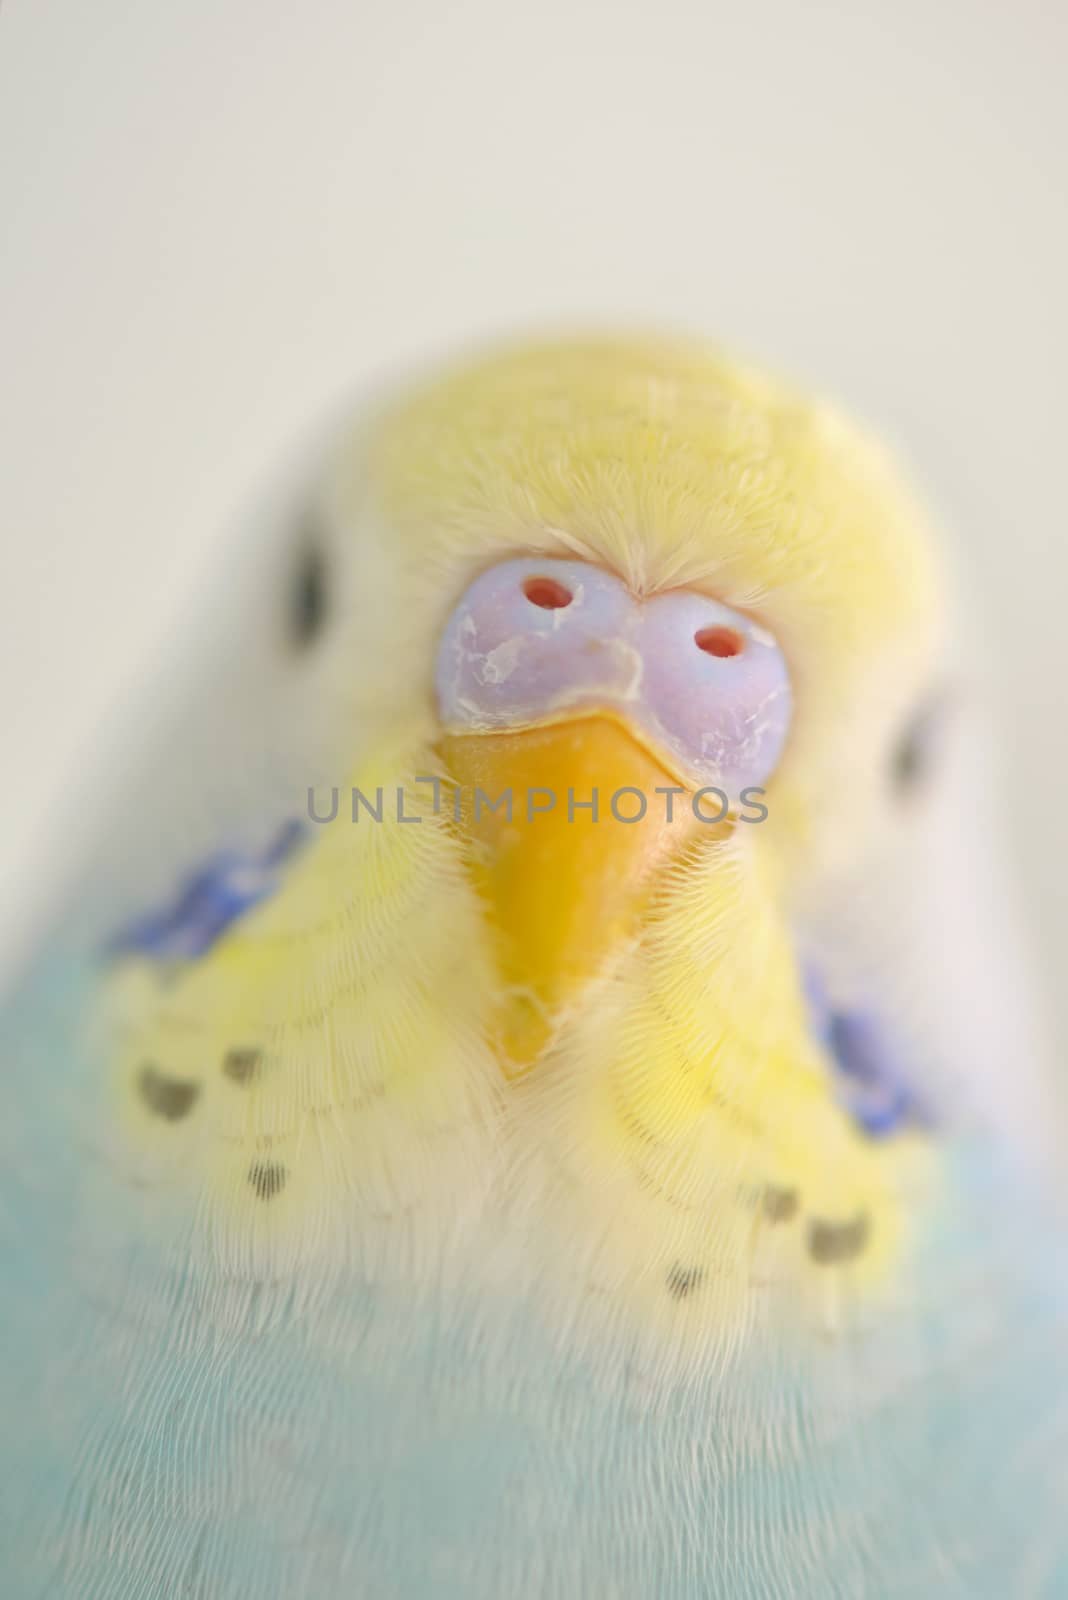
x,y
677,1137
674,466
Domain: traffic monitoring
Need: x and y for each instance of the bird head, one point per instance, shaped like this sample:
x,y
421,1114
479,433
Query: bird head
x,y
652,613
633,633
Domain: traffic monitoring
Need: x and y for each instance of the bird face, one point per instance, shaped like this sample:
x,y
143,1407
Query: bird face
x,y
633,569
652,627
756,606
593,735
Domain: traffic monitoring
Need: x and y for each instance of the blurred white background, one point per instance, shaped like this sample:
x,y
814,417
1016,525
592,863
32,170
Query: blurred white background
x,y
220,217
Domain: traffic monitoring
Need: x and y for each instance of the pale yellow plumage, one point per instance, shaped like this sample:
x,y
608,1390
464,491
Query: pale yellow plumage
x,y
672,465
682,1121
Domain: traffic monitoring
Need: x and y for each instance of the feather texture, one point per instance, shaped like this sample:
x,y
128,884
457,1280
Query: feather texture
x,y
307,1297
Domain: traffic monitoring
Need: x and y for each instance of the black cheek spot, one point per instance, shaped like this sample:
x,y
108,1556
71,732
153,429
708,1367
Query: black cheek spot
x,y
832,1243
241,1065
268,1178
780,1205
308,603
682,1281
170,1098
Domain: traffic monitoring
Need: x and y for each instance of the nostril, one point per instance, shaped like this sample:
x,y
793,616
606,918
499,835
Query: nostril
x,y
547,593
719,641
533,637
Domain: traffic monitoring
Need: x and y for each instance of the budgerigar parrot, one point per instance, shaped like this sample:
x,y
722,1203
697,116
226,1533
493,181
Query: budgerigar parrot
x,y
536,1092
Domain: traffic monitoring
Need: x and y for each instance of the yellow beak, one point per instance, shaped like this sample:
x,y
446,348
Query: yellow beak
x,y
567,825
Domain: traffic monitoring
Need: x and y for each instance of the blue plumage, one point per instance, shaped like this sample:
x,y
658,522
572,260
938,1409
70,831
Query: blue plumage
x,y
168,1431
364,1235
875,1084
209,902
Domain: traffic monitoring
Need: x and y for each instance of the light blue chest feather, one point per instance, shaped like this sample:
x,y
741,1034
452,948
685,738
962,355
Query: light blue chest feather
x,y
167,1433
